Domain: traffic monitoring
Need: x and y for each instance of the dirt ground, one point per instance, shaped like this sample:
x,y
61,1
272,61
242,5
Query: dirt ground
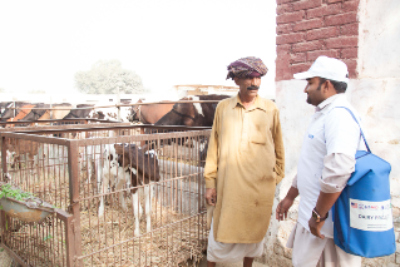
x,y
5,260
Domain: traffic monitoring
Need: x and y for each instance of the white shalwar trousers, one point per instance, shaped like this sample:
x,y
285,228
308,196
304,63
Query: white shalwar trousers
x,y
227,252
311,251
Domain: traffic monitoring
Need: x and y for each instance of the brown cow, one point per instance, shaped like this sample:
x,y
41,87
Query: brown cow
x,y
10,111
150,114
17,147
25,110
192,114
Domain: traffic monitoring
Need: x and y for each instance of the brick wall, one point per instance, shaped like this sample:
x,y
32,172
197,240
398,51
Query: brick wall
x,y
307,29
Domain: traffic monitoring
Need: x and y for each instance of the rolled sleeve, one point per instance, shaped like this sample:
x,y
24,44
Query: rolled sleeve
x,y
337,170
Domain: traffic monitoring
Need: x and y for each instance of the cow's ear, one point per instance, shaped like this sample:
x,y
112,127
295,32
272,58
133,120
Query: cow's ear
x,y
120,149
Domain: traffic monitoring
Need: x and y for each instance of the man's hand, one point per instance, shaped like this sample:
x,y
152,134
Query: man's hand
x,y
282,208
315,227
211,196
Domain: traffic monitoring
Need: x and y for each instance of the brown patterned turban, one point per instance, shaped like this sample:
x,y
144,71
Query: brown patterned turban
x,y
247,67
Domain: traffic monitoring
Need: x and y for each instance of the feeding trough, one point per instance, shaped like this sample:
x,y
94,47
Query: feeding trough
x,y
22,205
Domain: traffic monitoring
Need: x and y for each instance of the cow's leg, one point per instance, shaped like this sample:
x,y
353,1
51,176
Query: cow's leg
x,y
148,192
136,210
103,187
119,186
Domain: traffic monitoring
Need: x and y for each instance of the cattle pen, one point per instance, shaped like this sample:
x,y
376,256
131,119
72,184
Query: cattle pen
x,y
96,180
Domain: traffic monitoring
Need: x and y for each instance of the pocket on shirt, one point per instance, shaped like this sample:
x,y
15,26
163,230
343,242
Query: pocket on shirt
x,y
259,138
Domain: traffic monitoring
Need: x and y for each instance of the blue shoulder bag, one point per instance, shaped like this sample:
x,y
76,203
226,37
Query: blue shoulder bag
x,y
363,223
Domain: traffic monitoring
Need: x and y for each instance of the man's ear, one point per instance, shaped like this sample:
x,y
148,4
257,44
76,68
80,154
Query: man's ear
x,y
329,89
236,79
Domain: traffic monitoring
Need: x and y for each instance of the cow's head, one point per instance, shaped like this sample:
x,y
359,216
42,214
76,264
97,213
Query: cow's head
x,y
143,163
134,112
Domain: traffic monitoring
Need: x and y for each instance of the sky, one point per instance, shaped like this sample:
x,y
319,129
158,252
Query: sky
x,y
166,42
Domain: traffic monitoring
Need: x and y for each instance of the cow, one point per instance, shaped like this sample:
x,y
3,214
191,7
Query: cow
x,y
110,114
80,112
127,164
37,112
192,114
15,148
151,113
12,109
58,114
25,110
3,106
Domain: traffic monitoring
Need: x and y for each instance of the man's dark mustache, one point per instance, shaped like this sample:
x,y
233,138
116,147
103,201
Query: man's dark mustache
x,y
253,87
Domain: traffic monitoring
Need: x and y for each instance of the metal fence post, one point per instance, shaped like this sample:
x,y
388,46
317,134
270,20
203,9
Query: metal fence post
x,y
74,208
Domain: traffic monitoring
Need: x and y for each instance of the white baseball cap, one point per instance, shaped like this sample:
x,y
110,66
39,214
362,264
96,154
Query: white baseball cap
x,y
326,67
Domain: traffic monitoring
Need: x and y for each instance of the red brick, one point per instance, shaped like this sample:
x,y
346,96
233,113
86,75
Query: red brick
x,y
289,17
281,9
306,4
311,56
284,29
289,38
307,25
349,53
341,19
323,11
349,29
322,33
296,68
350,5
298,58
333,1
307,46
283,49
352,67
342,42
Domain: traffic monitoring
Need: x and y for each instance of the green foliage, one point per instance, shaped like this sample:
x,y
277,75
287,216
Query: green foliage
x,y
15,193
107,77
47,237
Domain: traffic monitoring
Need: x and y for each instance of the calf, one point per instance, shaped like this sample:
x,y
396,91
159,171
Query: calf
x,y
22,147
128,164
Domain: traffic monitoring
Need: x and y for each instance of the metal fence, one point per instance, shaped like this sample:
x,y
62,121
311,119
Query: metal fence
x,y
21,123
123,195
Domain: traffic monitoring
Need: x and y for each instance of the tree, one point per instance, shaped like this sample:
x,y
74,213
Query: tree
x,y
106,77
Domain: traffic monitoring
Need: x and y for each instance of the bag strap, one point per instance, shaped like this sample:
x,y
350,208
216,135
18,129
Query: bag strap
x,y
362,133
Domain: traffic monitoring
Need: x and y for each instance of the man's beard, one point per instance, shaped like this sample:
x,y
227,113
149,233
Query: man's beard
x,y
253,87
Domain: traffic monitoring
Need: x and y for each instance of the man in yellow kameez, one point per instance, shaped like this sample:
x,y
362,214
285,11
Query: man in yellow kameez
x,y
245,162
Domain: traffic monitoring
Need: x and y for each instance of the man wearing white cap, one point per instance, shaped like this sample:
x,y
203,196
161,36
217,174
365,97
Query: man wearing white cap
x,y
326,162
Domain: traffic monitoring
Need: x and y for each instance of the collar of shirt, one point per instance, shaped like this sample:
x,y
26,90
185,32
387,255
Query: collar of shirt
x,y
257,103
324,107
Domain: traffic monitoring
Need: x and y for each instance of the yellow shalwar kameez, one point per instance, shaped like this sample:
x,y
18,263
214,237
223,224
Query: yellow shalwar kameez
x,y
245,162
